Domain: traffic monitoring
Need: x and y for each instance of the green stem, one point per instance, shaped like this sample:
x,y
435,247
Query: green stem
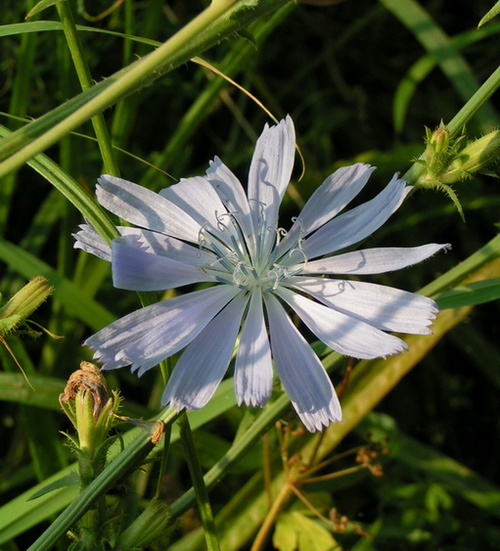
x,y
129,458
261,425
82,70
487,89
67,186
197,35
204,508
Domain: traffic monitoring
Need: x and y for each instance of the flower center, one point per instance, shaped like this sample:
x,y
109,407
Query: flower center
x,y
235,265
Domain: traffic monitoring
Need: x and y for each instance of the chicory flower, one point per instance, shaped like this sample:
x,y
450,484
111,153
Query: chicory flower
x,y
207,229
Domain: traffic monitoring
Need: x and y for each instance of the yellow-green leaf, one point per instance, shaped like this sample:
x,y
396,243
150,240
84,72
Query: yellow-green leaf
x,y
298,532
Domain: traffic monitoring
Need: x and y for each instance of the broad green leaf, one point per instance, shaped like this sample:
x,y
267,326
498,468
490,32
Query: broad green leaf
x,y
296,531
21,514
15,388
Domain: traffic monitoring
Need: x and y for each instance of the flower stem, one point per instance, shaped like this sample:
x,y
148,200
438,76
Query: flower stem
x,y
85,78
279,503
197,35
130,457
200,489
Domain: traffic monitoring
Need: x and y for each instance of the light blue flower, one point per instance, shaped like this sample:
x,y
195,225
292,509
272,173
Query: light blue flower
x,y
207,229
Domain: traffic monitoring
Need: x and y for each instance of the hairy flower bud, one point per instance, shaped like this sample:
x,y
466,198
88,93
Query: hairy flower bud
x,y
15,311
474,157
437,151
87,404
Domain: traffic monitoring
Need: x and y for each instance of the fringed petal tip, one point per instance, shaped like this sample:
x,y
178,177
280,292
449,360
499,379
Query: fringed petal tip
x,y
252,401
320,420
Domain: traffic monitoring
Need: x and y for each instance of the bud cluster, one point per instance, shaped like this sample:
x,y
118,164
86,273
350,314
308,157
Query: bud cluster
x,y
448,160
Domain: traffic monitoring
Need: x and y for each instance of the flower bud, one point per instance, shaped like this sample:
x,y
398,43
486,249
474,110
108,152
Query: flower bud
x,y
437,151
475,156
15,311
87,404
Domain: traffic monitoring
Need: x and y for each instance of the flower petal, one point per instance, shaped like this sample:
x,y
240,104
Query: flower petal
x,y
385,308
91,242
300,371
269,176
356,224
145,208
199,200
232,194
370,261
334,194
136,269
253,371
345,334
163,245
201,367
147,336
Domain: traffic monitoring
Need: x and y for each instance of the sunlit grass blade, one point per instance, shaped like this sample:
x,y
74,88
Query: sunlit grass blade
x,y
421,68
202,32
68,187
438,44
493,12
471,294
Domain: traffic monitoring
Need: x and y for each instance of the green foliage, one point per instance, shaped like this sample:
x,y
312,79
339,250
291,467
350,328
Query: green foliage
x,y
297,531
124,81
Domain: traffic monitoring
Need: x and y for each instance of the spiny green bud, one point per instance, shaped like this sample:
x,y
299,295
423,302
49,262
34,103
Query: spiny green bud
x,y
16,310
87,404
474,157
439,140
437,155
440,150
448,160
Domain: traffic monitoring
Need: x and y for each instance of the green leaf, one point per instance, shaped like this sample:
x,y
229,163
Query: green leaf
x,y
413,455
435,41
495,10
470,294
40,6
296,531
423,67
20,514
75,301
70,479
